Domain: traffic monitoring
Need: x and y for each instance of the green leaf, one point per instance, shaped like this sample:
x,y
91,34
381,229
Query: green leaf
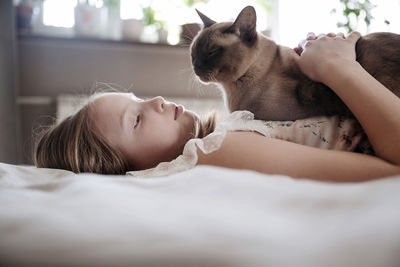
x,y
265,4
361,9
340,24
191,3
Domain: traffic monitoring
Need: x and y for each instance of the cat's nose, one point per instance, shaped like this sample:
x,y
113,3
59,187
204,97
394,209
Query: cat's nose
x,y
200,65
199,70
203,75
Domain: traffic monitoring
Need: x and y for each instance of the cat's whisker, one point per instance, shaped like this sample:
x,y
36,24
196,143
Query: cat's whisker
x,y
192,78
200,89
212,77
192,34
188,70
194,82
209,76
187,38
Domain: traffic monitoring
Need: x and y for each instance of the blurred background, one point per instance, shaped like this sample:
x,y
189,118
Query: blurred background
x,y
53,53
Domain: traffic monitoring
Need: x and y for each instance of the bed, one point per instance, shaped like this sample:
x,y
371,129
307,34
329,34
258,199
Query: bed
x,y
206,216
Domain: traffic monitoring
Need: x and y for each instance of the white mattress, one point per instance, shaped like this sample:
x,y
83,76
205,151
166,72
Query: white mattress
x,y
206,216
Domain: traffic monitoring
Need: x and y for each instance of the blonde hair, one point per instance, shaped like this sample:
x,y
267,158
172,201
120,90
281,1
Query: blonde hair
x,y
75,145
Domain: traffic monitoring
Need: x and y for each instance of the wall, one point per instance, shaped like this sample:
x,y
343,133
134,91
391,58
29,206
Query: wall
x,y
8,115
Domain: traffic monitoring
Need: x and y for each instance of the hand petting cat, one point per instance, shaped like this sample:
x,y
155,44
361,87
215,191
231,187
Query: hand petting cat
x,y
312,36
319,53
275,82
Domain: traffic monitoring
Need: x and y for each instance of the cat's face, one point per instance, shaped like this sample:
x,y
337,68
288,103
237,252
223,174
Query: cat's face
x,y
222,52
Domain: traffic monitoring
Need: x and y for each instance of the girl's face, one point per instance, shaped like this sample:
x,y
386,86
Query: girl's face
x,y
146,132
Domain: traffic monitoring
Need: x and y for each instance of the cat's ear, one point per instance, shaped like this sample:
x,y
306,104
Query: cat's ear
x,y
206,20
245,25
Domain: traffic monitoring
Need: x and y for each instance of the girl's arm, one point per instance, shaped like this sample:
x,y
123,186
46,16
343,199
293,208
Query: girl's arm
x,y
376,108
331,60
249,150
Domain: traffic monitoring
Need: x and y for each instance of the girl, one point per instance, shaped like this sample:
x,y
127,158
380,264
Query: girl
x,y
159,137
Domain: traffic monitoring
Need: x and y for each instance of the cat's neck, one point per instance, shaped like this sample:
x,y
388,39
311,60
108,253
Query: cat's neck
x,y
270,56
266,49
285,55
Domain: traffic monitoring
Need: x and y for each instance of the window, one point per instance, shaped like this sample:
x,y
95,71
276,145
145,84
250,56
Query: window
x,y
297,18
288,22
59,13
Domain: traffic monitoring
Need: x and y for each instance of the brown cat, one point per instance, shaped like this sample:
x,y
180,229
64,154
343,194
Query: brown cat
x,y
260,76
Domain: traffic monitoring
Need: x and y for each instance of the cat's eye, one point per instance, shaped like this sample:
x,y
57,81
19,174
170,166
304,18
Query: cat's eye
x,y
214,51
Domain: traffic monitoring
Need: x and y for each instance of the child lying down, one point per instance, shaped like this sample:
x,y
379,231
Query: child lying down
x,y
121,134
118,133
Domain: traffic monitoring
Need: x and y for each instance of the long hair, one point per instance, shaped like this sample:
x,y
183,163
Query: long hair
x,y
206,125
75,145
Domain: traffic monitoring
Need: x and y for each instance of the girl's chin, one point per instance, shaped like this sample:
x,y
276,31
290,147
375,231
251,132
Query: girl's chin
x,y
191,115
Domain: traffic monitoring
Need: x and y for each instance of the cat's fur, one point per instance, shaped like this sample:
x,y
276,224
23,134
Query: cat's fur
x,y
260,76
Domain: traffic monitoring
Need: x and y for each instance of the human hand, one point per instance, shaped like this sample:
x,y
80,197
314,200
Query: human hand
x,y
310,36
318,53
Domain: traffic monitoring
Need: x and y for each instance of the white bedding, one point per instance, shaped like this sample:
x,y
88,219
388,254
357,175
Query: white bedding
x,y
206,216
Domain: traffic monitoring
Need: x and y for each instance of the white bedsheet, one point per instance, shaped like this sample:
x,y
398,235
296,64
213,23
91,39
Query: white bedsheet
x,y
206,216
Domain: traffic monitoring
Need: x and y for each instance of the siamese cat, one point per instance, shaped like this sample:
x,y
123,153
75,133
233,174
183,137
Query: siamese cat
x,y
260,76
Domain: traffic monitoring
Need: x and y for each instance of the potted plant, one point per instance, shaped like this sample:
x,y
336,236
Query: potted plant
x,y
88,20
113,26
353,11
25,15
149,19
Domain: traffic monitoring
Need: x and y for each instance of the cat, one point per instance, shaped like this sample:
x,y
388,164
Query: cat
x,y
258,75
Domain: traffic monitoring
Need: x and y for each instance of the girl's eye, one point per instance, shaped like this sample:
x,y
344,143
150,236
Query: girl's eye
x,y
136,121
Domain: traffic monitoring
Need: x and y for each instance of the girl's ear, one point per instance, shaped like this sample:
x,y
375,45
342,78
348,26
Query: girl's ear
x,y
206,20
245,25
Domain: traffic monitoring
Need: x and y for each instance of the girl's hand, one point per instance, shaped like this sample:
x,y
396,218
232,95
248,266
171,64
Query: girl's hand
x,y
310,36
319,53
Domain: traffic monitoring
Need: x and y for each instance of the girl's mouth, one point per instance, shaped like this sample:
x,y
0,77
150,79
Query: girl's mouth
x,y
178,111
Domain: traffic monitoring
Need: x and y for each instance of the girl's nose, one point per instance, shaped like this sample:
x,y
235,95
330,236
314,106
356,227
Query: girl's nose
x,y
158,103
